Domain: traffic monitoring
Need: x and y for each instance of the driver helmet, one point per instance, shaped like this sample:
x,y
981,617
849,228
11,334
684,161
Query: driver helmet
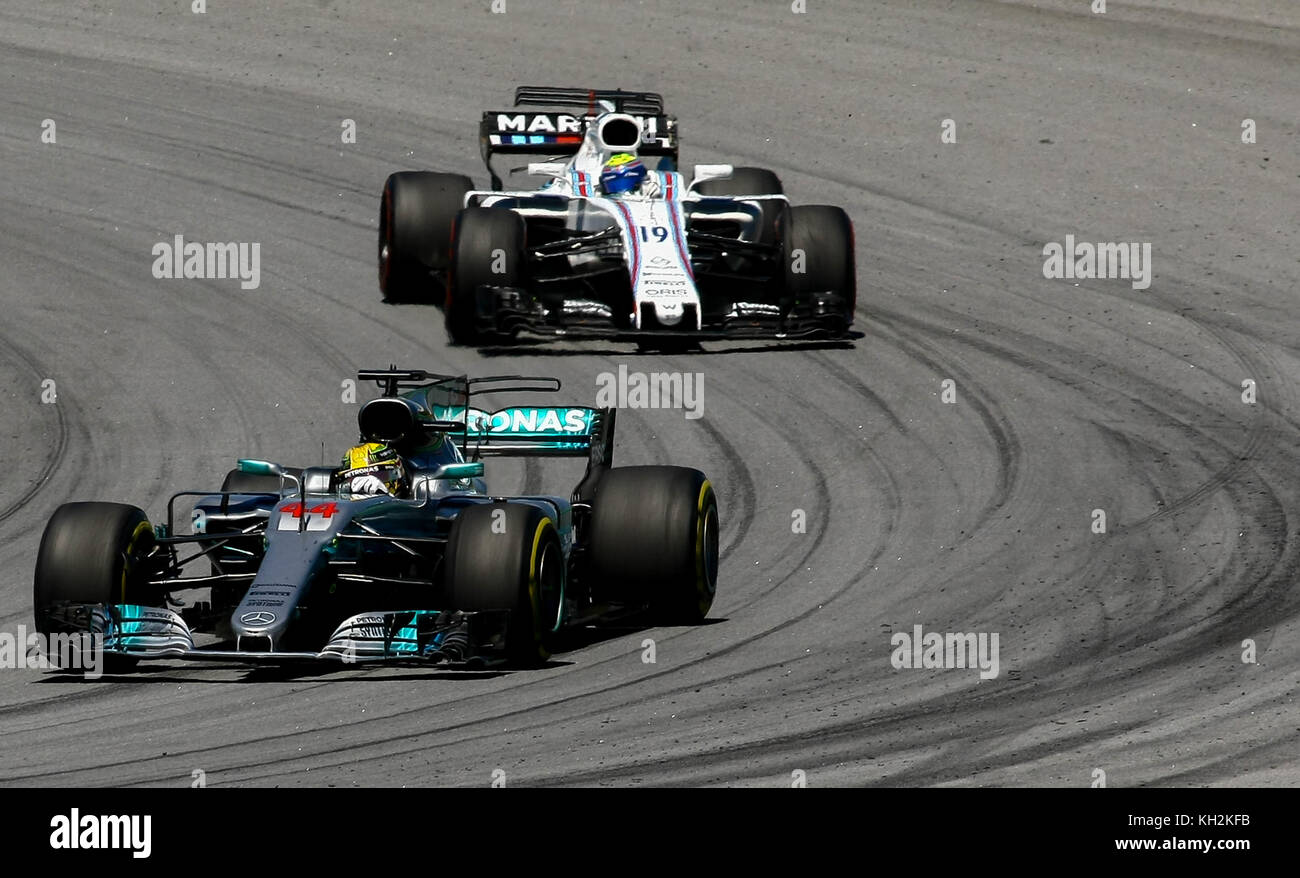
x,y
375,459
623,172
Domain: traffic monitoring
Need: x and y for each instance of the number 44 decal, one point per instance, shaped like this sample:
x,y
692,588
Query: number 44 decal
x,y
318,516
326,509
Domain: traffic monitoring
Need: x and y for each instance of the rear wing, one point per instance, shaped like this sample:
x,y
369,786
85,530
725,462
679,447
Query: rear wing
x,y
416,400
548,431
588,98
559,129
531,431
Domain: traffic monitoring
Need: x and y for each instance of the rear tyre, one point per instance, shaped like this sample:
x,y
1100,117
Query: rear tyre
x,y
487,248
653,539
92,553
751,181
507,556
819,258
416,212
241,554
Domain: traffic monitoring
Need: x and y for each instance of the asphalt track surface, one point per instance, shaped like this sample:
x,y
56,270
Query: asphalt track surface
x,y
1119,651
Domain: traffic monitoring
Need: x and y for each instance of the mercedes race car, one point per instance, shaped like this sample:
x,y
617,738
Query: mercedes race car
x,y
295,567
722,255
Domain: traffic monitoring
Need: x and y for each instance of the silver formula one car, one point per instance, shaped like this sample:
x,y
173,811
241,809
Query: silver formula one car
x,y
445,571
723,255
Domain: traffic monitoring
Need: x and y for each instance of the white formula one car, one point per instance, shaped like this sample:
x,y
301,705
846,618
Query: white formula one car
x,y
723,255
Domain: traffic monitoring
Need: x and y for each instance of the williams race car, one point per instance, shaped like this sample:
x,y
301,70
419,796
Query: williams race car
x,y
298,567
615,242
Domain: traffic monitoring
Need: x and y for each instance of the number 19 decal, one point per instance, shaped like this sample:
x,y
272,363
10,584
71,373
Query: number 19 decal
x,y
658,233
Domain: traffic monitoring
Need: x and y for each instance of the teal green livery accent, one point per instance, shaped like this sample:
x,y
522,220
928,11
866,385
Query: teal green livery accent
x,y
128,619
547,422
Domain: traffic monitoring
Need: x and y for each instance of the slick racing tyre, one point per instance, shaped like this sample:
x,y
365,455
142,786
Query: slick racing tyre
x,y
92,553
751,181
487,249
819,258
416,212
241,554
507,556
654,536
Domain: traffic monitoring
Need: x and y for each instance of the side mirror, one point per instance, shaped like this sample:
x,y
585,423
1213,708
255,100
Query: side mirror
x,y
710,172
260,467
545,169
459,471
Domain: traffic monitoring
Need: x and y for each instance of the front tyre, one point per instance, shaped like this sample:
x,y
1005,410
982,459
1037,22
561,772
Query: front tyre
x,y
487,250
92,553
751,181
241,553
820,263
507,556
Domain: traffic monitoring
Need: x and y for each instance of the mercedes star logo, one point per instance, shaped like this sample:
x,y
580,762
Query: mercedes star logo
x,y
258,618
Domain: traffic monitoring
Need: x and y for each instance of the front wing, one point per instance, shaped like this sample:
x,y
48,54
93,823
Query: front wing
x,y
422,637
509,311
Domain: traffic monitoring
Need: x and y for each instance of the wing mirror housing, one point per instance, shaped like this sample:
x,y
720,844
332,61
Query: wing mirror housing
x,y
267,468
459,471
546,169
710,172
260,467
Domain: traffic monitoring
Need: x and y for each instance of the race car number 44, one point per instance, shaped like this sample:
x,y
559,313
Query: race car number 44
x,y
318,516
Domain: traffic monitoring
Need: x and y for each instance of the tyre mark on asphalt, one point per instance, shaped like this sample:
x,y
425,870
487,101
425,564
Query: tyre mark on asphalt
x,y
1006,444
55,451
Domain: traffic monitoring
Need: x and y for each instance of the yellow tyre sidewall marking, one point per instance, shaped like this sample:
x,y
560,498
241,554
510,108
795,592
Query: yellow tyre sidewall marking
x,y
142,527
534,596
701,581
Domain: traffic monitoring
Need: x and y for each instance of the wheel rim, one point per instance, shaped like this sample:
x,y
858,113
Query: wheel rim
x,y
550,589
709,547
